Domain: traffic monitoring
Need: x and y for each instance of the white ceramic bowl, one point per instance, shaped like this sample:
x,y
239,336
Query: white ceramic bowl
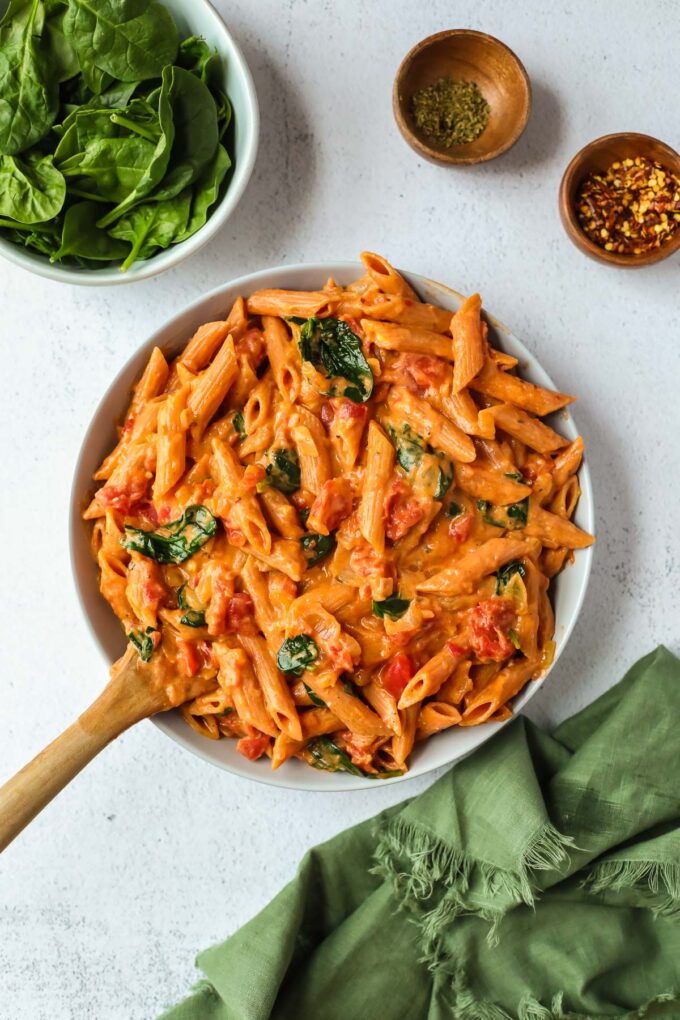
x,y
567,591
193,17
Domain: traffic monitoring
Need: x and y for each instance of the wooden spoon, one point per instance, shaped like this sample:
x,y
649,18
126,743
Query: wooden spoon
x,y
136,690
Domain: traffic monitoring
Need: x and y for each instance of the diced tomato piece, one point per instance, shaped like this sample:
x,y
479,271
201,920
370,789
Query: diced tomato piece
x,y
332,504
327,412
419,372
461,526
240,618
252,747
361,754
164,513
488,625
188,658
401,510
397,674
149,512
252,345
122,498
253,474
348,410
456,650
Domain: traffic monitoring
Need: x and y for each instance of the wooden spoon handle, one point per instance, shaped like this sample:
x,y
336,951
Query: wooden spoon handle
x,y
30,790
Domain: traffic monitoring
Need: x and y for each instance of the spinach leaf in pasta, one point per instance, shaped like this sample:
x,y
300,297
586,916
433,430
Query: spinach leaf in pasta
x,y
324,753
175,542
297,654
334,349
282,471
317,547
143,642
392,606
504,574
192,617
239,425
314,698
512,517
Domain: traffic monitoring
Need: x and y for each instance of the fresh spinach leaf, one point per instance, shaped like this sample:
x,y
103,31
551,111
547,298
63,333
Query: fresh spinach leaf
x,y
317,547
195,126
297,654
29,95
282,472
224,112
152,226
504,574
196,56
62,59
113,166
325,754
335,350
175,542
314,698
206,192
13,7
159,157
239,424
128,39
32,190
392,606
143,642
82,238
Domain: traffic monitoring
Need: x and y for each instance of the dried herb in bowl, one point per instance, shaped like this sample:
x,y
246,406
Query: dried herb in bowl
x,y
450,112
111,130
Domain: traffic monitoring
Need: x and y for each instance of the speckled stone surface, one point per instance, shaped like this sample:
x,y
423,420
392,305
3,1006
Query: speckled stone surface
x,y
151,854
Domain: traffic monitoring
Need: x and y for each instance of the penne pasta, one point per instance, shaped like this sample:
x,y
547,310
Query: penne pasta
x,y
341,534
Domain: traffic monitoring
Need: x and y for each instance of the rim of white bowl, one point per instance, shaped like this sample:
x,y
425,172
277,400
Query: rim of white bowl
x,y
173,256
341,783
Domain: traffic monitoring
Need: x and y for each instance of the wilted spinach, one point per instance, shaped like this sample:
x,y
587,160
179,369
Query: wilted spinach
x,y
516,514
392,606
325,754
317,547
143,642
282,471
503,574
297,654
335,350
175,542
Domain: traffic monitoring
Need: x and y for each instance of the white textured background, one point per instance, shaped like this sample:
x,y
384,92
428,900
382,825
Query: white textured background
x,y
151,854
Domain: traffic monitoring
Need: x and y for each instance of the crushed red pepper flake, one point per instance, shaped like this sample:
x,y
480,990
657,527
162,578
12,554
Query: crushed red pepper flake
x,y
631,208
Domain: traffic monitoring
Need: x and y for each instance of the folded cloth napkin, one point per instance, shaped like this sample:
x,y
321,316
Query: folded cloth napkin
x,y
538,879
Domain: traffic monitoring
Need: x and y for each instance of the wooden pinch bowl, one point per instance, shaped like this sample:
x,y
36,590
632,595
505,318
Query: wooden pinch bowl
x,y
464,55
596,157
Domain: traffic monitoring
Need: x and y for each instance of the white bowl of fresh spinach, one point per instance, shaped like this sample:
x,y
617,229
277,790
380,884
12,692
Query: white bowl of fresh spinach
x,y
128,133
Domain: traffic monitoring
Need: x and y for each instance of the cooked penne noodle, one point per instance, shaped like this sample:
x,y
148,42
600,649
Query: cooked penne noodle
x,y
390,336
432,425
379,462
277,696
340,535
493,382
468,342
478,563
523,426
212,386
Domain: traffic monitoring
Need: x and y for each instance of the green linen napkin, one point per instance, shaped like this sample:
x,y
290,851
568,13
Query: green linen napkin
x,y
538,879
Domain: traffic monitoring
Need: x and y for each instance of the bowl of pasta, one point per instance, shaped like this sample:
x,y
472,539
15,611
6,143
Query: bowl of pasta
x,y
334,500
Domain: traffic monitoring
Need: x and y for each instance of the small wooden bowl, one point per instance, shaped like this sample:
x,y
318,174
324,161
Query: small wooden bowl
x,y
595,157
463,55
